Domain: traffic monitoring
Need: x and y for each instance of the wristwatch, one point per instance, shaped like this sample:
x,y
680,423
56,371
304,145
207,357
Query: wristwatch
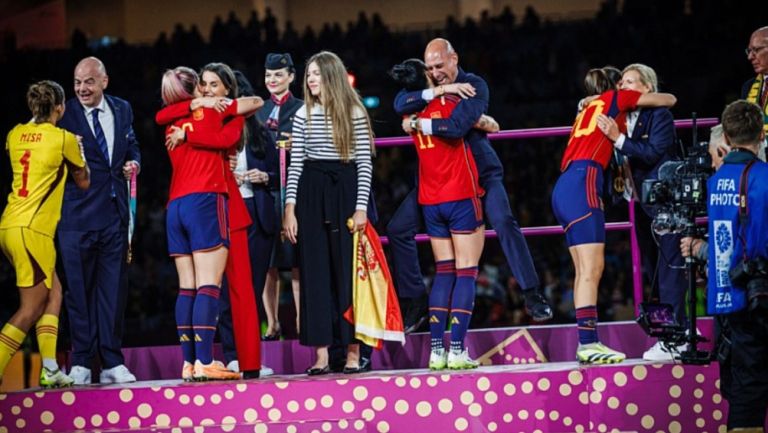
x,y
415,123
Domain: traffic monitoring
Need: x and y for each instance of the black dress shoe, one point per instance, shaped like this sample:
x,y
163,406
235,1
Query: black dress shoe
x,y
251,374
365,364
273,337
414,309
318,371
416,326
536,306
351,370
415,315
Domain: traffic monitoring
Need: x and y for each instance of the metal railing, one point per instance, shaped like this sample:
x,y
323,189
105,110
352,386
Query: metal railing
x,y
523,134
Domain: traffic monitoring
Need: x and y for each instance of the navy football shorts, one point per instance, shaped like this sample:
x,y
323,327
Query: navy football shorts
x,y
197,222
577,205
460,217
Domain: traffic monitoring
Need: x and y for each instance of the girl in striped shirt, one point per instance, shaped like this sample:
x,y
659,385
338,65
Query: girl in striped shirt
x,y
329,181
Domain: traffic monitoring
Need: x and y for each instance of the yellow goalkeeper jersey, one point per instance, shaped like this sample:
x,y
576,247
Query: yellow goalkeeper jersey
x,y
37,153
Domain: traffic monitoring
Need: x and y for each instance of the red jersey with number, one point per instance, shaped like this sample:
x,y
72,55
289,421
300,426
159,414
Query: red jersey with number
x,y
202,162
200,167
447,170
587,141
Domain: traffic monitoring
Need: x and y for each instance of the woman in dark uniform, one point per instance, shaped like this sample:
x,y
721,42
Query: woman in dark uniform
x,y
277,114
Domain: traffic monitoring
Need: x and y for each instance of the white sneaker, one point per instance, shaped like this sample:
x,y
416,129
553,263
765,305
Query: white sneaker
x,y
119,374
598,353
265,371
54,379
80,374
461,360
659,352
438,359
234,366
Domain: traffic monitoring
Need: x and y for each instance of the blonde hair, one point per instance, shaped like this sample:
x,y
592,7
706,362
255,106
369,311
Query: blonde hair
x,y
178,85
339,100
646,73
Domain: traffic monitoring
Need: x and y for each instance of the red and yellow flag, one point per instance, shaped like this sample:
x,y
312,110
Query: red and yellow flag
x,y
375,310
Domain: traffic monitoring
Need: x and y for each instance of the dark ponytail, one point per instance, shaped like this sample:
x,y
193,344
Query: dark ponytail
x,y
598,81
43,97
256,134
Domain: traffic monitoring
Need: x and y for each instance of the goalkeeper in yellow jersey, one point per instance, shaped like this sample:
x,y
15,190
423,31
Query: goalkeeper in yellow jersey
x,y
41,155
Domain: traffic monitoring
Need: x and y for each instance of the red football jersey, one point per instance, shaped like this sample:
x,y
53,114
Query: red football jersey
x,y
587,141
201,164
447,170
198,169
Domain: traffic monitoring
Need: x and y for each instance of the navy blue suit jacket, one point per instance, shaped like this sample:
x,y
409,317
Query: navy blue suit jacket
x,y
84,210
263,199
653,142
460,123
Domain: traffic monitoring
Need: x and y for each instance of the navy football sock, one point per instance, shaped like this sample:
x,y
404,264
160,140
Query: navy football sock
x,y
439,299
204,318
462,303
185,303
586,322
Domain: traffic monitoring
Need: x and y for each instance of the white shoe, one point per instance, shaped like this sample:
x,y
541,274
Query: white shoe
x,y
80,374
598,353
659,352
119,374
234,366
438,359
460,360
265,371
54,379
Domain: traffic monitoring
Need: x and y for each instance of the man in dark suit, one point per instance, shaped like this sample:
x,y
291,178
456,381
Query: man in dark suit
x,y
442,63
93,231
649,143
755,90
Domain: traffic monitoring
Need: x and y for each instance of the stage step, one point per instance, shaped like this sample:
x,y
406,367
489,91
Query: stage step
x,y
499,346
554,397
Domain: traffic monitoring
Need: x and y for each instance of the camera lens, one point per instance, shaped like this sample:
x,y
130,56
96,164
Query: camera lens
x,y
663,222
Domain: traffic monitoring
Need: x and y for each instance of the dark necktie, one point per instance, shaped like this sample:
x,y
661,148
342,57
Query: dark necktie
x,y
101,139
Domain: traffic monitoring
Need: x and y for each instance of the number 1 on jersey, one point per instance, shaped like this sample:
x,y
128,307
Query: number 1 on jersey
x,y
23,192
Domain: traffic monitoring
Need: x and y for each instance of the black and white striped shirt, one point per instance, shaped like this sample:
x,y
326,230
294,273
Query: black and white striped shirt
x,y
316,143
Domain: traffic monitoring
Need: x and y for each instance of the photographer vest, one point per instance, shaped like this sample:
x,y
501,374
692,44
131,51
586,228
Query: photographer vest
x,y
729,242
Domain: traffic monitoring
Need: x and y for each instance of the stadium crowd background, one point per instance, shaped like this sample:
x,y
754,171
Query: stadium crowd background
x,y
534,69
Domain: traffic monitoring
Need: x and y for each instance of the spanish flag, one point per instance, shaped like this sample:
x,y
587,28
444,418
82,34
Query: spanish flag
x,y
375,310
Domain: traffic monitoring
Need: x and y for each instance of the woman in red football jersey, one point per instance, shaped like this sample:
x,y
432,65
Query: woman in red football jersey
x,y
449,194
201,175
578,207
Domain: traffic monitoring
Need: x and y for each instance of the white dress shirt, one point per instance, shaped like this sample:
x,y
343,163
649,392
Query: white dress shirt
x,y
107,121
246,189
631,121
